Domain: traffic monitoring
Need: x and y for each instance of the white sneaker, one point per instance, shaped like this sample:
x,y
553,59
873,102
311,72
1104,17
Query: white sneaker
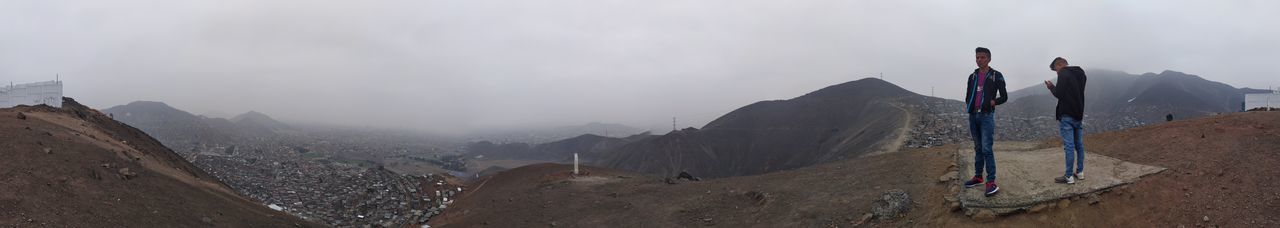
x,y
1069,179
1080,176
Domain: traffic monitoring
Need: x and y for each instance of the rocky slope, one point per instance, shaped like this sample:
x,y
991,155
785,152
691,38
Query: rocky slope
x,y
75,166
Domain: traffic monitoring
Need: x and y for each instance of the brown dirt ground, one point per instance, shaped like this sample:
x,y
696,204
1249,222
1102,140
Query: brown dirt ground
x,y
79,182
1223,167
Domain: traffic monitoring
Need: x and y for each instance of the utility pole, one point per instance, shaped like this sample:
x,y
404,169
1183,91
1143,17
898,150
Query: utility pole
x,y
882,76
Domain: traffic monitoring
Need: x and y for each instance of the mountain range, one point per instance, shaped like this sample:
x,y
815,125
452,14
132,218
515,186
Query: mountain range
x,y
180,129
871,116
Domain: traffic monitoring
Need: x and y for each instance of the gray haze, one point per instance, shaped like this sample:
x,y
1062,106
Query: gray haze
x,y
448,66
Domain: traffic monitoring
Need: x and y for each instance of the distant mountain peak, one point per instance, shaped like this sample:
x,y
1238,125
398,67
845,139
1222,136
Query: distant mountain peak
x,y
862,87
150,105
251,115
258,118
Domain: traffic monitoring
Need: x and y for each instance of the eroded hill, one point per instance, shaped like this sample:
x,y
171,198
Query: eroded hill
x,y
842,121
74,166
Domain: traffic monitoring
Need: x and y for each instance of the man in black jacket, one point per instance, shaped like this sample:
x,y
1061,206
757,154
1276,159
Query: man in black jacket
x,y
1070,114
981,100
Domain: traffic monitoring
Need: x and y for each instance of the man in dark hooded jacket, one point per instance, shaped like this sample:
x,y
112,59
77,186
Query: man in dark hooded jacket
x,y
1070,114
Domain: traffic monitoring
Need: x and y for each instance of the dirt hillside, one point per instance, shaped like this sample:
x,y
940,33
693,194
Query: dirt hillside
x,y
76,167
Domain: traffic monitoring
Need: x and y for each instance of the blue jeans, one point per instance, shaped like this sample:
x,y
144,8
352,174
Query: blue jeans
x,y
981,127
1072,143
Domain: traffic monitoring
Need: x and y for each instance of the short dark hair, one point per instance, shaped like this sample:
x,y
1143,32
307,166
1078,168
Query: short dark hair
x,y
1055,61
982,50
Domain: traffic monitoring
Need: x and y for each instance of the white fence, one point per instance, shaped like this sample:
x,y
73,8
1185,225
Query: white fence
x,y
48,93
1256,100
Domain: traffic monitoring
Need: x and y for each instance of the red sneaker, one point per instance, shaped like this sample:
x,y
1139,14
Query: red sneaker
x,y
977,179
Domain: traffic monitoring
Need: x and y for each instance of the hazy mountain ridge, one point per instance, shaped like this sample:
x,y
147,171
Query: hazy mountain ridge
x,y
536,135
1116,100
178,128
589,148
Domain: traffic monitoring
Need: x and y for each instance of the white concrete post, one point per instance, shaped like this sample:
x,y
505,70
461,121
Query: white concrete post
x,y
575,163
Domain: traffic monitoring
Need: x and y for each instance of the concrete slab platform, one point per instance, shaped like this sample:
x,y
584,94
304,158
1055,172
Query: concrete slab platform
x,y
1025,176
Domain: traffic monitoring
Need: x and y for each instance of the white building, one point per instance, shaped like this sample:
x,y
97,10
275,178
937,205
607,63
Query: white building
x,y
1257,100
47,93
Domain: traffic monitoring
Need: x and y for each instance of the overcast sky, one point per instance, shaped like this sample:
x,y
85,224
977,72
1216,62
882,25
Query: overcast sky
x,y
456,65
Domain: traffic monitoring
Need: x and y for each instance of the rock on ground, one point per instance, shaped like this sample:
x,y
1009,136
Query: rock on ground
x,y
891,204
948,176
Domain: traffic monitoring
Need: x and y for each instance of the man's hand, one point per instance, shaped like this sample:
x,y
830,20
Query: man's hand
x,y
1048,84
993,103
